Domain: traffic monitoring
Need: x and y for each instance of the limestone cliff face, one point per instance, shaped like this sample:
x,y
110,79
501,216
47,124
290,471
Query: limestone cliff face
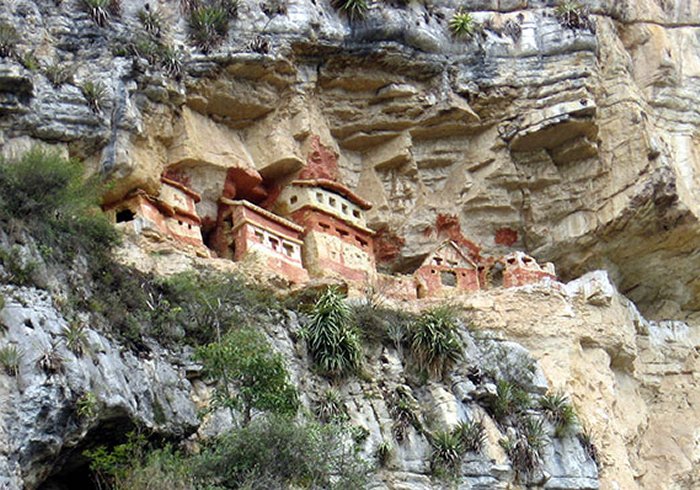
x,y
580,146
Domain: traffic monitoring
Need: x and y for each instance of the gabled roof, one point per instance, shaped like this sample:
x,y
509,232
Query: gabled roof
x,y
263,212
453,245
178,185
336,187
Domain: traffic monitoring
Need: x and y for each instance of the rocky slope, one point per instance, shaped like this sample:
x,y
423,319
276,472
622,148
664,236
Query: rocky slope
x,y
577,145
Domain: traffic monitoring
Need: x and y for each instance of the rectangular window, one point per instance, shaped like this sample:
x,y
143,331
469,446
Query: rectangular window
x,y
356,213
259,235
324,226
293,199
331,201
288,249
344,207
342,232
319,197
274,243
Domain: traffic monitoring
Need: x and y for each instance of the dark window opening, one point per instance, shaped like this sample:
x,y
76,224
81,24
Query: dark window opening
x,y
125,215
293,199
448,278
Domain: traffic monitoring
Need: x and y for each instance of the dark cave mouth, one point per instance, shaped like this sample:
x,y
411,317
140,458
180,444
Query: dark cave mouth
x,y
71,468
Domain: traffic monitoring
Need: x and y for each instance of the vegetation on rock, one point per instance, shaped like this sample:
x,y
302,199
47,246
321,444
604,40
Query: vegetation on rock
x,y
558,410
8,40
462,24
434,342
208,26
354,9
10,357
332,339
248,375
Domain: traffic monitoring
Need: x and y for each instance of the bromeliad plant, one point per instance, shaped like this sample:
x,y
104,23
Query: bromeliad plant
x,y
462,25
573,15
208,26
332,339
558,410
433,341
354,9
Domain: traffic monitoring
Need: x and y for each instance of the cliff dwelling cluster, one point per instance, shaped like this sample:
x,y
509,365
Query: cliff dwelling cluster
x,y
310,225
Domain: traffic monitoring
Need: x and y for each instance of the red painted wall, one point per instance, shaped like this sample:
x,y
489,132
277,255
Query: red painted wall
x,y
430,283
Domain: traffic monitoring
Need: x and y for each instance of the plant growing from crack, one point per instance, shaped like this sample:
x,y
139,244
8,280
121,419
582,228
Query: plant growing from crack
x,y
462,25
433,340
354,9
95,94
10,357
558,410
332,340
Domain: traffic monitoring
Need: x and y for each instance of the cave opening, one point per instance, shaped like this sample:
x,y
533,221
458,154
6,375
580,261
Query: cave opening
x,y
71,468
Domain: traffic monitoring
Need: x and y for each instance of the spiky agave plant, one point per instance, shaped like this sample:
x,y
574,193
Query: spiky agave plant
x,y
151,20
447,453
558,410
332,340
330,408
472,435
10,358
208,26
99,10
572,14
433,340
462,24
354,9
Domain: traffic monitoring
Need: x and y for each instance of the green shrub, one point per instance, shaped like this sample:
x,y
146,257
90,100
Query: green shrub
x,y
354,9
10,358
110,466
446,458
509,402
75,337
208,26
333,342
471,435
433,340
95,94
462,24
160,469
558,410
86,406
8,40
248,375
330,408
18,270
206,305
282,453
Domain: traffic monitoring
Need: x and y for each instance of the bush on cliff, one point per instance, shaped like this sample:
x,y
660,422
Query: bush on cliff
x,y
332,339
433,341
49,196
248,375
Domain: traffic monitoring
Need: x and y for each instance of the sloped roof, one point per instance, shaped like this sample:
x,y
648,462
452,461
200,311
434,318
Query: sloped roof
x,y
455,247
